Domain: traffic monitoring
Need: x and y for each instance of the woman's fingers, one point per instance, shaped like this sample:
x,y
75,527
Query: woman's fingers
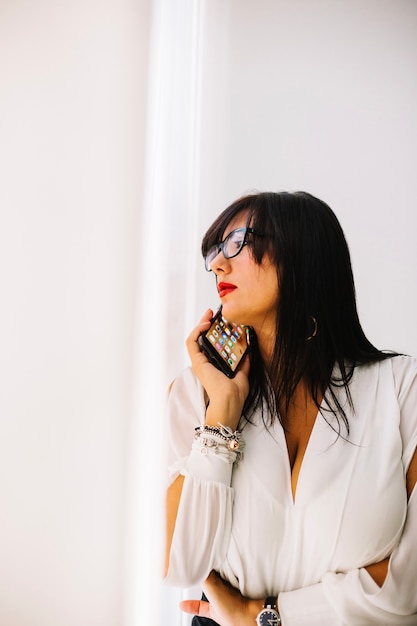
x,y
226,395
191,342
196,607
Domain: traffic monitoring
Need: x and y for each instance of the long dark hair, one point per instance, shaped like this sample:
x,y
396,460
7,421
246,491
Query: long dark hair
x,y
319,338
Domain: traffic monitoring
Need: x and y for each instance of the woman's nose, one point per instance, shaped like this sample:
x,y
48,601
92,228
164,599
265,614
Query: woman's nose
x,y
219,263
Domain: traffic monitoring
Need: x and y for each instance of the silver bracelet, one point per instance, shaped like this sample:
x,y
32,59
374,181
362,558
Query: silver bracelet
x,y
220,440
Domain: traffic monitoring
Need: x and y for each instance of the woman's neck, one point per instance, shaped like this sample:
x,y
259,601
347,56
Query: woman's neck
x,y
266,343
302,396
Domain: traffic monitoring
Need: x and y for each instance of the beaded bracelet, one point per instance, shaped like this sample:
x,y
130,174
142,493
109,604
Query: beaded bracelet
x,y
220,440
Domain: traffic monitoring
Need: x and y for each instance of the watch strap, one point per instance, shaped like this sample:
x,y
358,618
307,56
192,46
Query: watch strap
x,y
271,603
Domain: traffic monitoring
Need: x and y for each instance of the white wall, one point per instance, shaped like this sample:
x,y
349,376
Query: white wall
x,y
72,104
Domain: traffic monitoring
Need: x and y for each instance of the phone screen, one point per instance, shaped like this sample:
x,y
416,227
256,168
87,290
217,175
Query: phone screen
x,y
225,344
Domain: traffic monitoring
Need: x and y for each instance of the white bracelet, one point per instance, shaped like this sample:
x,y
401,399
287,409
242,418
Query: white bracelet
x,y
222,441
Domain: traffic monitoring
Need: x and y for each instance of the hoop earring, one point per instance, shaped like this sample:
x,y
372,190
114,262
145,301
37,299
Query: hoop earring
x,y
314,333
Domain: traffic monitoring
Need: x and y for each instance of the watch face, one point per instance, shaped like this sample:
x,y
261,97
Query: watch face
x,y
269,617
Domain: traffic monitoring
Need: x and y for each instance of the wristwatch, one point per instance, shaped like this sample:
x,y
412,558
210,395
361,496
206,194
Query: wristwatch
x,y
269,615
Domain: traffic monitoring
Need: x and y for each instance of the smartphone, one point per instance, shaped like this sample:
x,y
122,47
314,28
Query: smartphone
x,y
225,344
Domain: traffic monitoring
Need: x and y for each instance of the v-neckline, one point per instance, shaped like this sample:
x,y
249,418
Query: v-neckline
x,y
296,468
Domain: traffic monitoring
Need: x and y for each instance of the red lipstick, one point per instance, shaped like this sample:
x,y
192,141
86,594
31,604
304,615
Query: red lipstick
x,y
225,288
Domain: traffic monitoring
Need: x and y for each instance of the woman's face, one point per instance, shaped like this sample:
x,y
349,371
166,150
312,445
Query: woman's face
x,y
248,291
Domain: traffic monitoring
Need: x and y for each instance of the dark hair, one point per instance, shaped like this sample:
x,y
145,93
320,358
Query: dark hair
x,y
316,293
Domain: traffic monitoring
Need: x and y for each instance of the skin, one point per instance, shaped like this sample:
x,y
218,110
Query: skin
x,y
252,303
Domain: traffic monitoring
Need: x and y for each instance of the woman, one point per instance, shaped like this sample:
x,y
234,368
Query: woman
x,y
316,522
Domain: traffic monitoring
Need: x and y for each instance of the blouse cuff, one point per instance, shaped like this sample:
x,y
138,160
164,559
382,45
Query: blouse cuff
x,y
211,467
308,605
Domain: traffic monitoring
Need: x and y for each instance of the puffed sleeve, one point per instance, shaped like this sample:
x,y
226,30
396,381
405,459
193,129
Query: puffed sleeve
x,y
203,523
354,597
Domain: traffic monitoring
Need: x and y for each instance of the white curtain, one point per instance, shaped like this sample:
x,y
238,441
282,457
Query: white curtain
x,y
170,269
165,290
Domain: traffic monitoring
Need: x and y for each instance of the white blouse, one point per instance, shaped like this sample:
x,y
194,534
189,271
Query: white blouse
x,y
350,507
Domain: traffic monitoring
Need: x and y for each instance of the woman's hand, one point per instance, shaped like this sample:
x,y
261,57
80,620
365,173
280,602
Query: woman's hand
x,y
226,395
226,605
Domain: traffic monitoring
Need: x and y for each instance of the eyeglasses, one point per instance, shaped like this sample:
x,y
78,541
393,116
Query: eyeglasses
x,y
231,246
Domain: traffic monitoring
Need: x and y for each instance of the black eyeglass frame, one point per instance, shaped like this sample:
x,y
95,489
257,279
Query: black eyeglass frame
x,y
221,246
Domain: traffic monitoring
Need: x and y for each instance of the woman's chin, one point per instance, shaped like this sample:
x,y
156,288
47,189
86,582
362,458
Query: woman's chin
x,y
232,313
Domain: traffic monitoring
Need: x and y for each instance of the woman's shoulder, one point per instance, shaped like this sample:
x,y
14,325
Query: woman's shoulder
x,y
395,374
402,366
404,371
